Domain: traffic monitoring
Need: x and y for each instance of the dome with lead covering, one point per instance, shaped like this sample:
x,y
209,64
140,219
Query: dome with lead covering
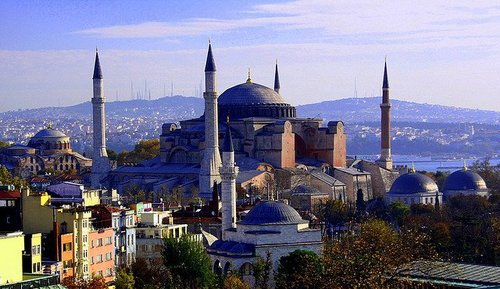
x,y
270,213
464,180
250,93
413,183
253,100
49,132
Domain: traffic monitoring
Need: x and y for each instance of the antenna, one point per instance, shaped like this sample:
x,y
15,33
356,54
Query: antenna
x,y
355,88
131,90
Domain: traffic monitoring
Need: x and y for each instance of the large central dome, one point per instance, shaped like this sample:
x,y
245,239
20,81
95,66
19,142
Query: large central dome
x,y
250,93
253,100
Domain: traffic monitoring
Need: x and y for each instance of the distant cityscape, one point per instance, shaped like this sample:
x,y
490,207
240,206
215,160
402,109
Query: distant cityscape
x,y
423,130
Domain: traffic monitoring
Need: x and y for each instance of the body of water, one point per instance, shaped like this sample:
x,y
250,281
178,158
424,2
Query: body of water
x,y
431,164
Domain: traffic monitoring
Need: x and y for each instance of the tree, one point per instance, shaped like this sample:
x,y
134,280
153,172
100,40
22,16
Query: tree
x,y
335,213
233,281
7,178
300,269
374,257
490,175
188,263
150,275
94,282
399,211
112,155
124,279
144,150
262,271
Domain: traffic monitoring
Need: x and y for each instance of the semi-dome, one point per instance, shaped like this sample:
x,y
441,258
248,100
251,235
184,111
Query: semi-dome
x,y
413,183
253,100
269,213
464,180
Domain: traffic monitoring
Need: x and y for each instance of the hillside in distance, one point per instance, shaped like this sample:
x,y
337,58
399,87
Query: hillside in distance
x,y
349,110
356,110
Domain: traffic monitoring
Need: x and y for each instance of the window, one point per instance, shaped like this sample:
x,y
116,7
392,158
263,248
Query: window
x,y
34,267
108,240
85,223
85,268
108,256
99,258
85,253
33,250
99,242
92,260
66,247
38,249
91,243
67,264
99,273
84,238
109,272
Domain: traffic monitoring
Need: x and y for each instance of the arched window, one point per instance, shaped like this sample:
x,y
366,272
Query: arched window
x,y
246,269
227,268
217,268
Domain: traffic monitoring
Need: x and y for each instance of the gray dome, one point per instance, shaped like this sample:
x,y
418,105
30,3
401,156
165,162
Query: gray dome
x,y
413,183
250,93
305,190
48,132
464,180
268,213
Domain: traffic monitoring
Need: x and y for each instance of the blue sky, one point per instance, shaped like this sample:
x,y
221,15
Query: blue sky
x,y
441,52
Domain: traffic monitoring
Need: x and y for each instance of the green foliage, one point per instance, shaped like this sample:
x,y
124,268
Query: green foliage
x,y
490,174
6,178
262,271
112,155
399,211
300,269
188,263
124,280
144,150
372,257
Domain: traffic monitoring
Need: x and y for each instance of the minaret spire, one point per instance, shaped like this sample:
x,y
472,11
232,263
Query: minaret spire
x,y
385,160
228,172
209,170
100,161
385,84
97,66
276,79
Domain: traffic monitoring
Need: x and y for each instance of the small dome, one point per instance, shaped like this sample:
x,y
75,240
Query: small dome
x,y
269,213
250,93
413,183
305,190
464,180
48,132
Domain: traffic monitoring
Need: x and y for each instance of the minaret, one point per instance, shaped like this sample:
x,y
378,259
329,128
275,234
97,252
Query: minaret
x,y
385,160
228,172
100,162
276,79
209,171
